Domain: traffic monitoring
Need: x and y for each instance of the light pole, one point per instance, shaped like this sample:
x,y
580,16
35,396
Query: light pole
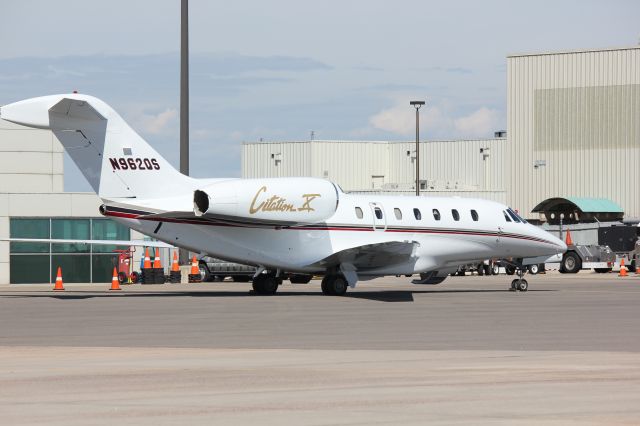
x,y
417,105
184,101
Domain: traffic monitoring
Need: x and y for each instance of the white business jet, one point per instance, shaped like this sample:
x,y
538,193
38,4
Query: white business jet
x,y
301,225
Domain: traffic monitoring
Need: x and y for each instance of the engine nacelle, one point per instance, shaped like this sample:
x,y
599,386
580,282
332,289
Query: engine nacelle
x,y
284,201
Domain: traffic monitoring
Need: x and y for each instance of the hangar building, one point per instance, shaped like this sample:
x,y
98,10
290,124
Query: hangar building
x,y
34,205
573,130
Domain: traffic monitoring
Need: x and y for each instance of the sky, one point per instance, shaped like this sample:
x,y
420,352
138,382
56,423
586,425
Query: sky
x,y
279,69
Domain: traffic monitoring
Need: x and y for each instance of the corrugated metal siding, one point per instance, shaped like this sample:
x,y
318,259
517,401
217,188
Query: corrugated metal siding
x,y
590,140
357,166
276,159
351,164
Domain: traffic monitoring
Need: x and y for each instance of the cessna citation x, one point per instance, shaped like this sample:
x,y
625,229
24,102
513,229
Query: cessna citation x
x,y
298,225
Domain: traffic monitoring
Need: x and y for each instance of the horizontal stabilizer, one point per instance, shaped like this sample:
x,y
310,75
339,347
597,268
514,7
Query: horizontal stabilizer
x,y
76,108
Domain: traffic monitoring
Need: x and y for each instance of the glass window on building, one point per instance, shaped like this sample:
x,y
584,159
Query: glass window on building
x,y
105,229
76,268
81,263
29,268
70,229
29,228
102,267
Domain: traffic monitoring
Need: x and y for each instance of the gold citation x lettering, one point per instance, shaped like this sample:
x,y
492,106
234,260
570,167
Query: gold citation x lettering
x,y
276,203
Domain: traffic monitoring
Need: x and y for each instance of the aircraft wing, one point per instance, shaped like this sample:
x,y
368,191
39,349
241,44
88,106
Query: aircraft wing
x,y
138,243
372,256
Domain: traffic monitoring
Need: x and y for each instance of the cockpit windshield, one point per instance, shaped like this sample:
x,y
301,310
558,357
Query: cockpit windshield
x,y
516,217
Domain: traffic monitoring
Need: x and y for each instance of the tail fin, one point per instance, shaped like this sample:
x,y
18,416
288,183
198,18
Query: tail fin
x,y
116,161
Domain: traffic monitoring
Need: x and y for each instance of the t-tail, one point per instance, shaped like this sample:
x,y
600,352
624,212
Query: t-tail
x,y
116,161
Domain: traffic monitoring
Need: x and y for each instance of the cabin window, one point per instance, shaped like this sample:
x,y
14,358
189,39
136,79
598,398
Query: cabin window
x,y
513,215
378,212
474,215
506,216
359,214
398,213
436,214
417,214
455,214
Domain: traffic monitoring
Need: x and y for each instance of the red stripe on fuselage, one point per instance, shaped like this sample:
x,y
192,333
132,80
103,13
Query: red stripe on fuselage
x,y
330,228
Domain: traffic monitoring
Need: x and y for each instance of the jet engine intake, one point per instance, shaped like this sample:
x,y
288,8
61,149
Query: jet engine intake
x,y
284,201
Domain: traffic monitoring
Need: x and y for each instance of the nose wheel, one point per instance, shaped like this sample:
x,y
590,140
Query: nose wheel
x,y
519,284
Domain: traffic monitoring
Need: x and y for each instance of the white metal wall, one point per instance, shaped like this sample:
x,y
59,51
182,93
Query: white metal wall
x,y
31,160
577,116
372,165
451,165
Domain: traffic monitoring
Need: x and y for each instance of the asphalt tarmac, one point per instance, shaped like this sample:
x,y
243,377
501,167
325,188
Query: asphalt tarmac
x,y
468,350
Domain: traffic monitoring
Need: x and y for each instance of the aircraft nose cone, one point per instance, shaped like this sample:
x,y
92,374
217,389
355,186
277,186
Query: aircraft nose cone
x,y
562,245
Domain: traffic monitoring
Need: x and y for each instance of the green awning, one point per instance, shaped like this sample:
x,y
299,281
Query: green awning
x,y
585,205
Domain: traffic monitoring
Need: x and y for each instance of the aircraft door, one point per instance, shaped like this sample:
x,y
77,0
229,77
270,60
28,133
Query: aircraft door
x,y
379,217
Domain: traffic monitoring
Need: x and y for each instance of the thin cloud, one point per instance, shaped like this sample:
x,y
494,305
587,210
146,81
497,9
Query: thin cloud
x,y
156,124
437,121
479,123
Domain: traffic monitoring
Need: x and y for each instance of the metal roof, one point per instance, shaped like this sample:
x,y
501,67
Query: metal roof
x,y
585,205
571,51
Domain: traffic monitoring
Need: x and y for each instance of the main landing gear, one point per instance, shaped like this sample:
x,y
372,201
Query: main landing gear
x,y
519,283
334,285
266,284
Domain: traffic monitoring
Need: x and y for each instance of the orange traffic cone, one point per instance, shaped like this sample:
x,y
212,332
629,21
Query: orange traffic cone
x,y
174,266
147,259
156,260
568,241
623,269
59,284
115,282
195,270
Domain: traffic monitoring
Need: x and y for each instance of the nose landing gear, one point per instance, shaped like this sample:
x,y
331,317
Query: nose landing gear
x,y
519,283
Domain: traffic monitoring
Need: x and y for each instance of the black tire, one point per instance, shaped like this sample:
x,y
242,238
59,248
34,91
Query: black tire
x,y
523,285
340,286
480,269
326,285
514,285
135,277
122,277
602,270
510,269
265,284
571,263
534,269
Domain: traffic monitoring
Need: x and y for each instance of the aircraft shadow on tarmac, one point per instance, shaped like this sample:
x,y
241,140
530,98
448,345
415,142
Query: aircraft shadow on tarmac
x,y
375,295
